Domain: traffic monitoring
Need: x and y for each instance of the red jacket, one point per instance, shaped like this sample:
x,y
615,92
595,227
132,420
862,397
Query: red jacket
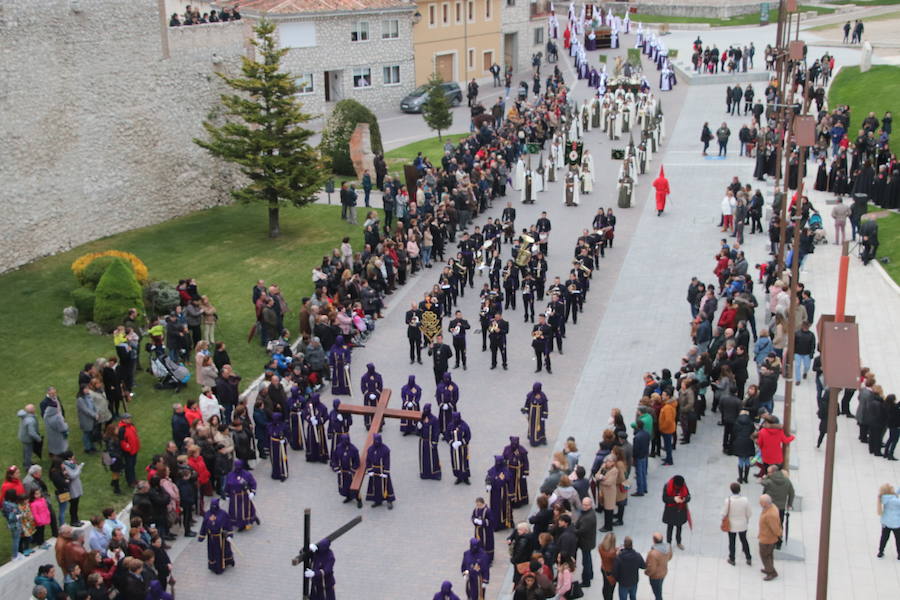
x,y
198,464
128,439
770,440
728,318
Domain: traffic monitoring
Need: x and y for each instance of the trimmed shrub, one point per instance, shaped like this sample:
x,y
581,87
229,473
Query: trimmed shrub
x,y
83,299
117,292
634,57
161,298
339,127
82,263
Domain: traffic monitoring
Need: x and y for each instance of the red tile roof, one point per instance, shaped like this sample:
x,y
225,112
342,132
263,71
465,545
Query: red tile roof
x,y
290,7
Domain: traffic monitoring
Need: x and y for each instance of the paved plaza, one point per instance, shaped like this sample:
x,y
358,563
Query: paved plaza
x,y
636,319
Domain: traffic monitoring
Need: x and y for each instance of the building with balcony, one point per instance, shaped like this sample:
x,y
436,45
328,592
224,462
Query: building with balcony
x,y
524,31
359,49
457,39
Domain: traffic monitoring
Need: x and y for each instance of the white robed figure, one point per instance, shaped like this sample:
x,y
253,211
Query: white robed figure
x,y
537,181
639,37
573,177
558,158
519,175
585,114
626,23
614,38
587,172
665,78
553,24
550,166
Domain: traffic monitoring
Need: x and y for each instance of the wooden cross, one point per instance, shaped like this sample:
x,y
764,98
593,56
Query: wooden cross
x,y
305,555
378,412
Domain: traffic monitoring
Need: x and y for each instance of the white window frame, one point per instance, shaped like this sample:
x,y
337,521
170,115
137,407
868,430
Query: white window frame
x,y
488,15
432,15
458,13
390,69
390,29
361,72
470,60
445,14
357,30
303,91
470,11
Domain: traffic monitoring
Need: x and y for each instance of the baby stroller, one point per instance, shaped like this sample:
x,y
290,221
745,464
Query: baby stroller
x,y
362,329
171,375
816,228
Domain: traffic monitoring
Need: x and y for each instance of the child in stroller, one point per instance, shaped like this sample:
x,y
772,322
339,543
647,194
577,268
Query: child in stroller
x,y
170,375
816,228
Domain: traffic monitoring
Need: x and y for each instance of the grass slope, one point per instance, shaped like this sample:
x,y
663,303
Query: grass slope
x,y
745,19
226,249
876,90
889,244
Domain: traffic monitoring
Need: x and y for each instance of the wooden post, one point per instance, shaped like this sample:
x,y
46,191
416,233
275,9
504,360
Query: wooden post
x,y
827,490
163,28
307,557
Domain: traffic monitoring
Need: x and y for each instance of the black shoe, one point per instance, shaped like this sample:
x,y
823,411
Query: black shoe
x,y
585,584
390,506
605,530
537,370
420,361
358,502
493,366
346,500
549,371
190,534
505,368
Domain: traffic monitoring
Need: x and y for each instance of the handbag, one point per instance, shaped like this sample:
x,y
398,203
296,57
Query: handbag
x,y
523,567
64,497
575,592
726,524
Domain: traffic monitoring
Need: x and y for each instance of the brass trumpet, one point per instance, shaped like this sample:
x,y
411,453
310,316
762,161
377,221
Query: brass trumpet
x,y
494,328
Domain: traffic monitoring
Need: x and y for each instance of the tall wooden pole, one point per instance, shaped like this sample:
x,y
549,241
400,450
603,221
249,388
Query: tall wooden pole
x,y
828,477
307,558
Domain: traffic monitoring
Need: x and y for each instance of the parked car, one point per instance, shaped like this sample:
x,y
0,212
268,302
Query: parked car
x,y
413,102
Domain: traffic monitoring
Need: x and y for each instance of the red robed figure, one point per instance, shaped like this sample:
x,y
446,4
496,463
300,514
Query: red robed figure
x,y
661,184
567,38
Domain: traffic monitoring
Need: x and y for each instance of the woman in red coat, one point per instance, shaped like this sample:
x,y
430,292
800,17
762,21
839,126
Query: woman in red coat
x,y
770,439
567,38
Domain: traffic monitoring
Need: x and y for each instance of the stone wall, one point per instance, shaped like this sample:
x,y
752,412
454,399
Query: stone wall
x,y
692,8
97,125
517,19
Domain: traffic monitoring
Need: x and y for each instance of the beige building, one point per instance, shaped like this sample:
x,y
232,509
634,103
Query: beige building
x,y
457,39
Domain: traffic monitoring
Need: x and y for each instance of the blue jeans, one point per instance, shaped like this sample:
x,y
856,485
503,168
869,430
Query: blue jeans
x,y
891,445
426,255
63,507
87,440
627,592
16,538
804,361
743,461
667,444
656,586
640,469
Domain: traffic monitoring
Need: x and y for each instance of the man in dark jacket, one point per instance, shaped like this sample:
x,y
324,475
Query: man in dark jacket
x,y
180,427
730,406
566,538
627,569
141,506
640,452
227,391
737,94
522,544
586,530
804,348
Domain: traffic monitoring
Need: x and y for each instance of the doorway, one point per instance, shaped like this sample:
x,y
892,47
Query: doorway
x,y
333,87
443,66
511,50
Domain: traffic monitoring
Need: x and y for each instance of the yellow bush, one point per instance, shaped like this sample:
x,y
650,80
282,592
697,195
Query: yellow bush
x,y
137,265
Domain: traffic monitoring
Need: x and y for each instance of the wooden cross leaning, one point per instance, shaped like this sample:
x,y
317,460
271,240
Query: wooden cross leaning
x,y
378,413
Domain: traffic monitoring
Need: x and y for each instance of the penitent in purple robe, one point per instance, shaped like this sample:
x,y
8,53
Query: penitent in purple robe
x,y
240,487
516,458
410,395
338,423
295,419
339,362
216,530
322,577
371,386
345,462
484,529
446,592
314,417
458,436
447,396
536,410
476,568
429,436
498,482
278,447
378,467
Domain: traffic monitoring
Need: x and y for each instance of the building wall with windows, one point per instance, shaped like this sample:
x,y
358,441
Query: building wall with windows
x,y
524,30
458,39
366,56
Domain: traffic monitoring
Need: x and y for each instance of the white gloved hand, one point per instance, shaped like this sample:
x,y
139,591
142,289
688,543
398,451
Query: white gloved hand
x,y
252,495
456,444
340,417
372,397
488,488
445,406
419,425
383,475
485,584
478,521
313,548
309,573
314,421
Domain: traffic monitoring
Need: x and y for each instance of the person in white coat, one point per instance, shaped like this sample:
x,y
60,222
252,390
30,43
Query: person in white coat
x,y
587,172
737,510
209,404
519,175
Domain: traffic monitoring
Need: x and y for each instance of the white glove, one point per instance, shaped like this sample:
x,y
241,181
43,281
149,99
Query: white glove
x,y
372,396
488,488
478,521
456,444
314,421
309,573
485,584
465,573
340,417
252,495
418,425
313,548
445,406
383,475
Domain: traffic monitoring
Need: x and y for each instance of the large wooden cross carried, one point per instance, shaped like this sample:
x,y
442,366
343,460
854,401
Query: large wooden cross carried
x,y
378,412
306,554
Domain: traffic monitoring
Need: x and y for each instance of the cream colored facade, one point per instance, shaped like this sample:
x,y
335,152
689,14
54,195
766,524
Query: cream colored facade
x,y
458,39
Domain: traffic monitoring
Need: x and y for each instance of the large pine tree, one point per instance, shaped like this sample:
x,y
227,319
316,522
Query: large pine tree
x,y
264,133
436,109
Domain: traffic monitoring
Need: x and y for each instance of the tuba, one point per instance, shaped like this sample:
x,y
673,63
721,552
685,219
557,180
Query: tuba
x,y
524,256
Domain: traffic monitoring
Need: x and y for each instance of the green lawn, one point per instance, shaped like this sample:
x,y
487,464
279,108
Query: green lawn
x,y
226,249
746,19
433,148
889,244
865,3
876,91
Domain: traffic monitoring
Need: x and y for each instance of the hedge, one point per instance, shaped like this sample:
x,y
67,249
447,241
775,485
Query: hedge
x,y
117,292
81,267
339,127
83,298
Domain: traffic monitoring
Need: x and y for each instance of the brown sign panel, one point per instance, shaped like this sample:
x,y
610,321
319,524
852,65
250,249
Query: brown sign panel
x,y
805,130
840,354
823,319
795,49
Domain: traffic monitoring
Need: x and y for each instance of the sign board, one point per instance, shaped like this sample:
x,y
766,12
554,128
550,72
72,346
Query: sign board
x,y
840,354
532,148
764,13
